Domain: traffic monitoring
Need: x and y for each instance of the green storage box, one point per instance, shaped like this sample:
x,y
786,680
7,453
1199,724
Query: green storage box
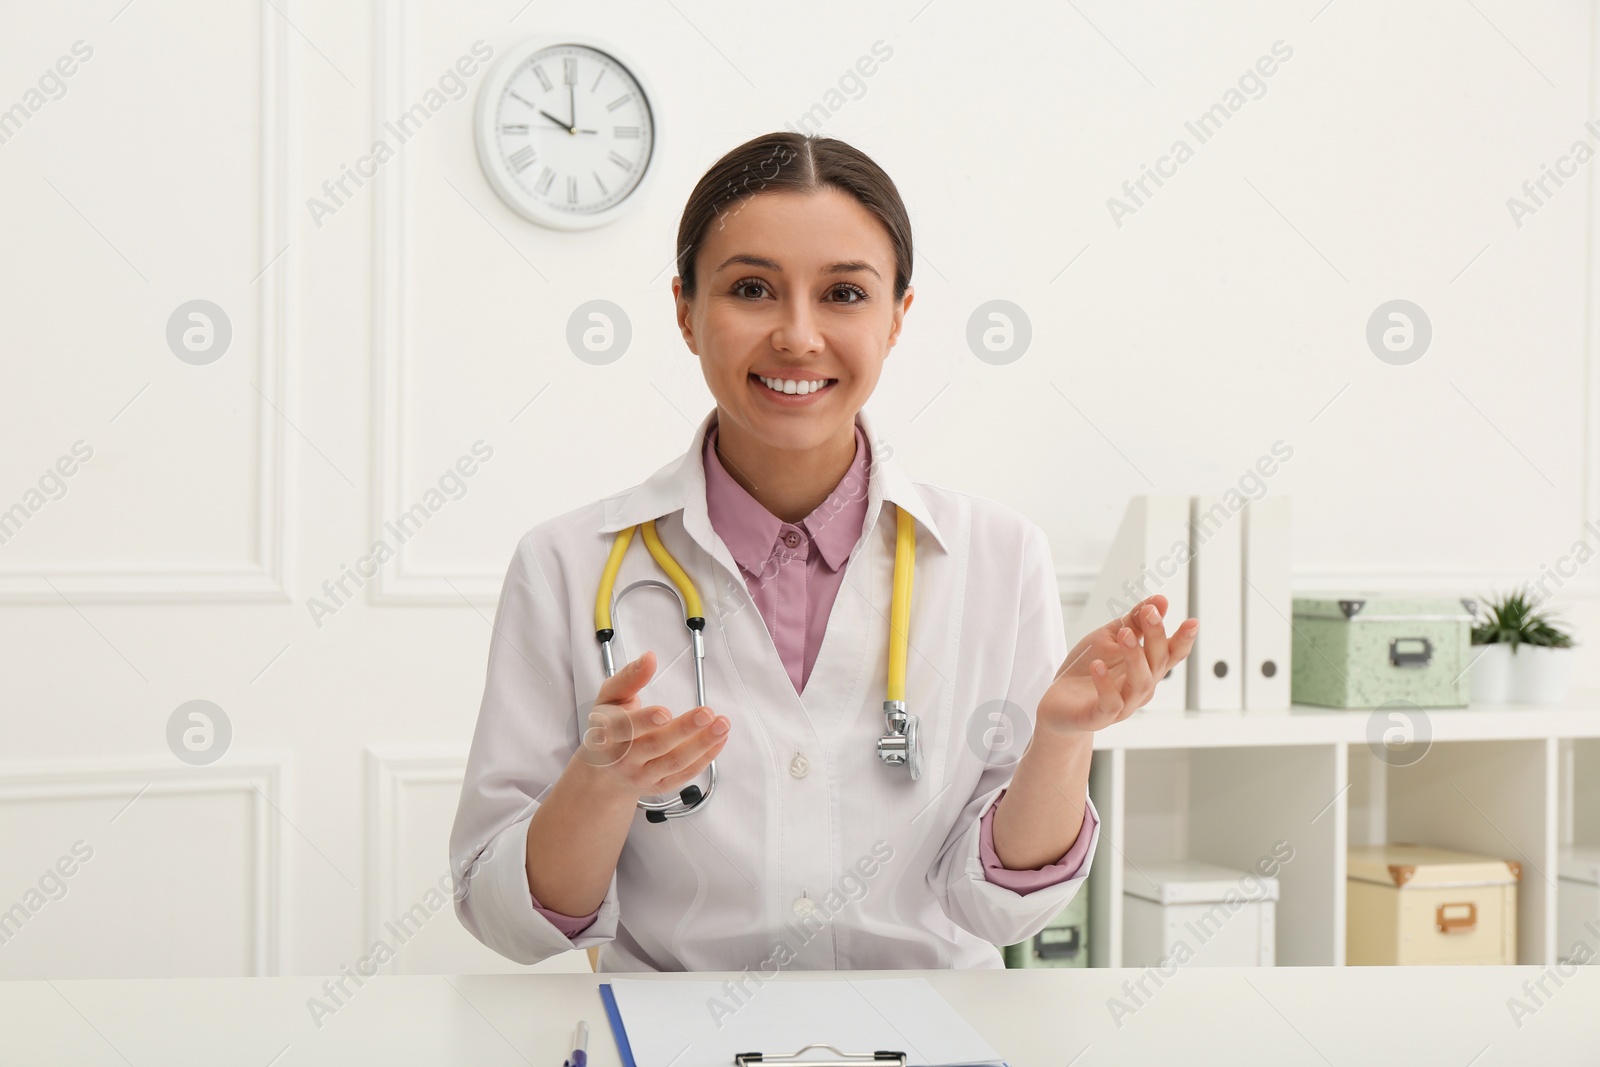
x,y
1063,943
1364,653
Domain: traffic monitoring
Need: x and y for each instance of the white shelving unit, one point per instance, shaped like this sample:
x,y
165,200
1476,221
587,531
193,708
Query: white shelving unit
x,y
1514,781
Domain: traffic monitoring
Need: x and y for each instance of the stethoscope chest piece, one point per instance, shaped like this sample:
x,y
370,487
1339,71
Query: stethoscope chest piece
x,y
900,746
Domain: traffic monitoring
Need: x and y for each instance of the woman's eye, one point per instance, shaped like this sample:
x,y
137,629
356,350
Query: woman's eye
x,y
754,288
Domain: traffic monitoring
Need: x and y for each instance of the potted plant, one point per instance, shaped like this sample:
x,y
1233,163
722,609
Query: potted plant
x,y
1490,664
1543,663
1519,654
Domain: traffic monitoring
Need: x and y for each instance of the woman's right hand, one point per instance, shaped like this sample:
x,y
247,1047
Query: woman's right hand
x,y
644,751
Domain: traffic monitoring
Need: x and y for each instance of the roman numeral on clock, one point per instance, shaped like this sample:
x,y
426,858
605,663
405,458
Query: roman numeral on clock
x,y
628,132
621,161
521,159
542,186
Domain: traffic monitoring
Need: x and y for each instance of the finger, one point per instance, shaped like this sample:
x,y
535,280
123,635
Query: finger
x,y
624,686
1139,682
1182,641
616,723
666,736
673,783
1155,639
1101,643
609,732
1131,619
690,753
1108,689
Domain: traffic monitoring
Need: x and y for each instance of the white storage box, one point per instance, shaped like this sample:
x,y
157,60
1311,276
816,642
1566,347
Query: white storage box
x,y
1410,904
1188,912
1578,905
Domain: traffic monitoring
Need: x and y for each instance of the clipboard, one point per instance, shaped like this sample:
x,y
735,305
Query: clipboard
x,y
877,1058
846,1059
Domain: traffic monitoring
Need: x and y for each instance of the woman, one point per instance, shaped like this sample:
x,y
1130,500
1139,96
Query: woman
x,y
812,851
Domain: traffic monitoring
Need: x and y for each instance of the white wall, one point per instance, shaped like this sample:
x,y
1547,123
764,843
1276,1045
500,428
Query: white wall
x,y
373,347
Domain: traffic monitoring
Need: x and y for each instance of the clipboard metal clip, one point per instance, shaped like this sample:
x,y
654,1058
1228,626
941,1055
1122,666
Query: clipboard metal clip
x,y
845,1059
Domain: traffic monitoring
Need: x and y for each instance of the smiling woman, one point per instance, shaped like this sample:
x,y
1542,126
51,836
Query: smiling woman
x,y
794,278
792,297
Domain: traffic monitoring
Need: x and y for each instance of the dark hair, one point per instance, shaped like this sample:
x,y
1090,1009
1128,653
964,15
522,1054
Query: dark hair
x,y
786,161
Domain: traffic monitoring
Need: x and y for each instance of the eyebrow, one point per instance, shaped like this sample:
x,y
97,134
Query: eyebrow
x,y
845,267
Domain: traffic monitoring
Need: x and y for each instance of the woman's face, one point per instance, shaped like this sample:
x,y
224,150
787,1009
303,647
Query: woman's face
x,y
796,286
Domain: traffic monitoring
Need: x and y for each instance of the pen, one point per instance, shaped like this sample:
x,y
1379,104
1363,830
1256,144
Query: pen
x,y
580,1046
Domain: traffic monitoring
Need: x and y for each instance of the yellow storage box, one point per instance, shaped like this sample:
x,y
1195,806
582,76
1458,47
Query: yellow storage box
x,y
1411,904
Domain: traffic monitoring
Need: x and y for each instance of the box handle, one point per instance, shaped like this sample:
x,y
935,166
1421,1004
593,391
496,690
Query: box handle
x,y
1457,924
1057,950
1414,657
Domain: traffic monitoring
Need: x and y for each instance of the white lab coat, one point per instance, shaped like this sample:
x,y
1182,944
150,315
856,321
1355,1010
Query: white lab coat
x,y
887,868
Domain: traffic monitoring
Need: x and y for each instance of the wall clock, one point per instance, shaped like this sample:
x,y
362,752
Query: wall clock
x,y
566,131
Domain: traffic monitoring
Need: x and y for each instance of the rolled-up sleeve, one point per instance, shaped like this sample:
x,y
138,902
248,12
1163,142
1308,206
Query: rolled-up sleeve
x,y
994,912
1026,880
525,736
570,925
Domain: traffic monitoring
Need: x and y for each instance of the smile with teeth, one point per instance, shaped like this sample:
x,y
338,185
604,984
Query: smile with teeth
x,y
792,387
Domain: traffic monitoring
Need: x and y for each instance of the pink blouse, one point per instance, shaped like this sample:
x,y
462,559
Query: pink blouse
x,y
796,601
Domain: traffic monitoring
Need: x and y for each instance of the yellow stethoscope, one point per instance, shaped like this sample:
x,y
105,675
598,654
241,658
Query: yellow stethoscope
x,y
898,747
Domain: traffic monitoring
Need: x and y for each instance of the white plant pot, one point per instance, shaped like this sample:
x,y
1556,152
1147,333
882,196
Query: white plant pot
x,y
1490,674
1540,675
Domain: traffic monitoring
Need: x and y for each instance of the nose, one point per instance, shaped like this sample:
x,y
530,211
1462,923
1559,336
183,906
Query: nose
x,y
797,331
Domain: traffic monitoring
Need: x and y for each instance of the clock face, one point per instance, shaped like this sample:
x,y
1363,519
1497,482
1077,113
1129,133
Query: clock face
x,y
565,133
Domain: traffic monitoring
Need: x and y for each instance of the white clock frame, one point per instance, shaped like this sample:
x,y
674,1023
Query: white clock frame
x,y
486,120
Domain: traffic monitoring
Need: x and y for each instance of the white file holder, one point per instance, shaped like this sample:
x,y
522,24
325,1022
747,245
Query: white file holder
x,y
1149,555
1215,572
1267,604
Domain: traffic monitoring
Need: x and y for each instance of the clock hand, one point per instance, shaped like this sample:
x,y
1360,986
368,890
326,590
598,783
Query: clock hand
x,y
572,108
552,118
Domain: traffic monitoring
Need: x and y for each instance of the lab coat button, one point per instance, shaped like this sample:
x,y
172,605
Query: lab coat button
x,y
799,766
804,906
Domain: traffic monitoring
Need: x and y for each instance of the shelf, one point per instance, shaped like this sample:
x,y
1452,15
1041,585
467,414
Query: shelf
x,y
1515,781
1493,798
1580,792
1234,807
1578,824
1306,724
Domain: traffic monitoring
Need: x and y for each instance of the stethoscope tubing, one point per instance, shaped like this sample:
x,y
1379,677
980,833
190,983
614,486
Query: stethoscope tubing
x,y
898,747
681,805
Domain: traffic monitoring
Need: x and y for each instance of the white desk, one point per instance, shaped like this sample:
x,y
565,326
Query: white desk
x,y
1368,1017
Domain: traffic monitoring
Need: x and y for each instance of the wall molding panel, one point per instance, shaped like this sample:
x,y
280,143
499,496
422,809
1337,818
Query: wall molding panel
x,y
259,778
390,771
263,578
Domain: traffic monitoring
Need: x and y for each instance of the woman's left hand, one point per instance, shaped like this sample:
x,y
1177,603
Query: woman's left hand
x,y
1113,671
